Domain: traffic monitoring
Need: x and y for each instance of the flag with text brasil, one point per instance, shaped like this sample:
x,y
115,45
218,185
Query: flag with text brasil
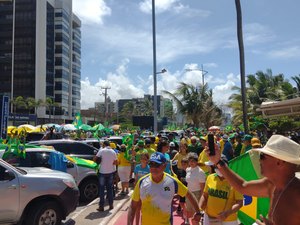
x,y
247,166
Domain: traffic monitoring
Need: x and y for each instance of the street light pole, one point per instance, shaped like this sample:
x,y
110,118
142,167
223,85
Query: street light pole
x,y
203,73
13,53
154,70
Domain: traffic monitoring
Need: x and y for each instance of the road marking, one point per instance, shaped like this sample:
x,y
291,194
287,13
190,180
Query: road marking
x,y
82,210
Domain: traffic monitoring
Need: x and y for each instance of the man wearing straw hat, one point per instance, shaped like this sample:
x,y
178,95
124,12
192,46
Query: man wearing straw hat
x,y
279,161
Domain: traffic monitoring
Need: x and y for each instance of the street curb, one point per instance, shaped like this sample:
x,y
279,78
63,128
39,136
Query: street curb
x,y
116,209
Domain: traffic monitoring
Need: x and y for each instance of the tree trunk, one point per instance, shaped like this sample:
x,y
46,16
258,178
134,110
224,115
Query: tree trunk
x,y
242,62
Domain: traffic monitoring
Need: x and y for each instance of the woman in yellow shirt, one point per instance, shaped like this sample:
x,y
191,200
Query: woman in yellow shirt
x,y
124,168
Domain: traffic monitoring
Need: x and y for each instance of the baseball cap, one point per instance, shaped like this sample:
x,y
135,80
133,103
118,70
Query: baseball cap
x,y
247,137
141,142
158,157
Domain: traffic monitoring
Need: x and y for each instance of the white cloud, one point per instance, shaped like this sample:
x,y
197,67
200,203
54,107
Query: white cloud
x,y
222,92
121,87
160,5
118,82
171,43
91,11
292,52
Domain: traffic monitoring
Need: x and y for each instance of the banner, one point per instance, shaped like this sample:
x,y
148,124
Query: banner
x,y
4,111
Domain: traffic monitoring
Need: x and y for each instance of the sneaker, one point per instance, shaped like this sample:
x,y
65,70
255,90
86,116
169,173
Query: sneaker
x,y
122,193
100,209
111,207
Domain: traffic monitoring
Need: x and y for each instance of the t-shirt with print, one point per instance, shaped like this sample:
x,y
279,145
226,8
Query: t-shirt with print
x,y
140,172
157,198
221,197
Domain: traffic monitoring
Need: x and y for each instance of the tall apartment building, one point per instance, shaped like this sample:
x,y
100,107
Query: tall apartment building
x,y
41,42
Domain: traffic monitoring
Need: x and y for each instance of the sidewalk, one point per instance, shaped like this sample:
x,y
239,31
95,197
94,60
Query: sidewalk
x,y
90,215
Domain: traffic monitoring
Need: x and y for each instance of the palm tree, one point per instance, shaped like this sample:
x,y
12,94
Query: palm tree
x,y
194,102
50,105
242,61
128,110
262,87
296,79
31,103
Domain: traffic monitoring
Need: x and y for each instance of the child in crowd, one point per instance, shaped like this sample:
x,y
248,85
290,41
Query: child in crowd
x,y
141,170
195,178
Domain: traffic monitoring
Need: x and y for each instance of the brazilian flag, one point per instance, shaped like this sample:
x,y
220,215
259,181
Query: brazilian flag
x,y
83,162
78,121
128,141
247,166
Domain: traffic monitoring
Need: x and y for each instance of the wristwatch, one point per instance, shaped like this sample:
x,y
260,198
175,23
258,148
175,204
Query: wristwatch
x,y
221,163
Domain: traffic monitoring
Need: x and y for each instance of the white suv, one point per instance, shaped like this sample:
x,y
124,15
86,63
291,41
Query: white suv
x,y
86,178
33,196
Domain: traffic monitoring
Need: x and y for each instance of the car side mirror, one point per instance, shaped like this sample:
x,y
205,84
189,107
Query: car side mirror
x,y
9,175
70,165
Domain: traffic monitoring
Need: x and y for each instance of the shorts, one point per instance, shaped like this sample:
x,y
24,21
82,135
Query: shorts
x,y
213,221
189,206
124,173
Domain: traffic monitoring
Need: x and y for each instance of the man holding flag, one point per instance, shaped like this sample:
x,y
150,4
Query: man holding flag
x,y
279,161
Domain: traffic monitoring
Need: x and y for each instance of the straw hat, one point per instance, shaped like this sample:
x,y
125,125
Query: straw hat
x,y
282,148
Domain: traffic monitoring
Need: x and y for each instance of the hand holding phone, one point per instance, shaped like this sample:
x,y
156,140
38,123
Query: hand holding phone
x,y
211,144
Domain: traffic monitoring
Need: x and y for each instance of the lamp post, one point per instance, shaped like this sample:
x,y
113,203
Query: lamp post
x,y
203,72
154,70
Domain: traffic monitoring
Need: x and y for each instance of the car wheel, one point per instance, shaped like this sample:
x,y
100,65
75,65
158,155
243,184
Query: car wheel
x,y
44,213
89,190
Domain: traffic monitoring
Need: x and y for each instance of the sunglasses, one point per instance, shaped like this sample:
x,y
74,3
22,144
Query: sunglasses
x,y
262,156
154,165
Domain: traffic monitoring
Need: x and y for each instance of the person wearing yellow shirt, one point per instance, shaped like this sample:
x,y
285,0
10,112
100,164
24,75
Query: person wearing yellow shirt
x,y
220,201
148,147
154,193
203,156
124,167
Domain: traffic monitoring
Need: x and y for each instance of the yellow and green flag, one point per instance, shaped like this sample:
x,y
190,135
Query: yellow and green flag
x,y
128,141
247,166
83,162
78,121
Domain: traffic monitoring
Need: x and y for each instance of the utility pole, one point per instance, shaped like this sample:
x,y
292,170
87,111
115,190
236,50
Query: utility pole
x,y
203,72
105,101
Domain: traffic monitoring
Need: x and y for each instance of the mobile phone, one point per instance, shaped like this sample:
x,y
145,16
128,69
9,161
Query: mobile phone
x,y
211,144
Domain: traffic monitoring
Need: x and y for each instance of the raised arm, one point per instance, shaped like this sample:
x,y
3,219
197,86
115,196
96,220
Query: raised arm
x,y
259,188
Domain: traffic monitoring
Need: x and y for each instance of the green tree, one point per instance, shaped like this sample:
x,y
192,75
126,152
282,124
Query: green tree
x,y
261,87
50,105
195,102
296,79
128,110
18,103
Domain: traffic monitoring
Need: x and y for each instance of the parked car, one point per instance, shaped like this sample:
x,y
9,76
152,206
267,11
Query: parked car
x,y
85,178
92,141
116,139
70,147
31,195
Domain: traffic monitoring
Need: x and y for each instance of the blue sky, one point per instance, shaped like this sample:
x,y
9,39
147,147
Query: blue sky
x,y
117,44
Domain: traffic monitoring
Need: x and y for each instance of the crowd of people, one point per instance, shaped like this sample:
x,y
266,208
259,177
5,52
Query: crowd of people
x,y
165,168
